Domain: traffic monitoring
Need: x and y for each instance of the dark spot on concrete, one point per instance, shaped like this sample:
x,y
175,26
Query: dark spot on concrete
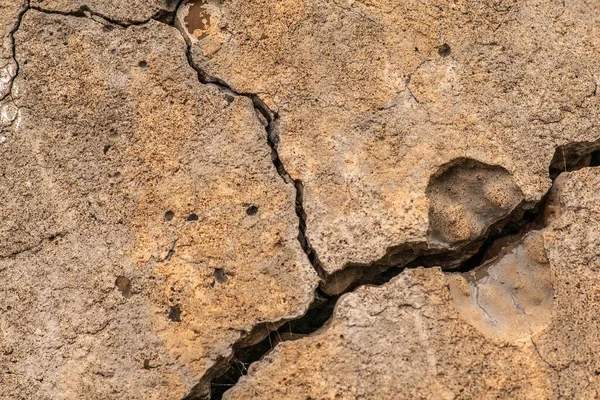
x,y
252,210
192,217
108,28
143,64
444,50
124,285
106,148
220,276
169,215
175,313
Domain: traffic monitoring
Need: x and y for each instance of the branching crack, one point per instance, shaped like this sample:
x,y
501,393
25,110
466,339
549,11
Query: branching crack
x,y
228,370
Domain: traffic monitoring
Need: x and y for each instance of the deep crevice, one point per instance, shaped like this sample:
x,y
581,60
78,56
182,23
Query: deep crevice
x,y
508,231
227,370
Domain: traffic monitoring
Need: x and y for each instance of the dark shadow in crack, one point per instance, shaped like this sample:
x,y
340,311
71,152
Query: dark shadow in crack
x,y
502,234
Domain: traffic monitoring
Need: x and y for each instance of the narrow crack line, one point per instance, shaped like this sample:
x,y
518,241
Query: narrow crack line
x,y
208,382
411,93
13,44
163,16
33,248
540,355
272,119
204,389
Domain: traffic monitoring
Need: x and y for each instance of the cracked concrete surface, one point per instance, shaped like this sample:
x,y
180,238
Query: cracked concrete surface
x,y
179,177
409,339
375,96
149,175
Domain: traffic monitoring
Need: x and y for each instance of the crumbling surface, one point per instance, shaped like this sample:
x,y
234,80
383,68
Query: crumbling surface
x,y
177,178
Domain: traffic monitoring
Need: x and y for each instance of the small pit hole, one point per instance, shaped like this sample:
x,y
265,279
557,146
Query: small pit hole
x,y
192,217
169,215
143,64
252,210
124,285
106,148
175,313
220,276
444,50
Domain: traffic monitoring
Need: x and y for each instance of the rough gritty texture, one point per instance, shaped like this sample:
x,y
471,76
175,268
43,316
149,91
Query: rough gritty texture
x,y
406,340
150,229
375,96
123,166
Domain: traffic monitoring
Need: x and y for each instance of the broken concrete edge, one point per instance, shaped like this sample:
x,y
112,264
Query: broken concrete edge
x,y
535,223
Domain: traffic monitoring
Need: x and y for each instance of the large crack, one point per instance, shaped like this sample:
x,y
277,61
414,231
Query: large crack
x,y
510,230
270,120
226,372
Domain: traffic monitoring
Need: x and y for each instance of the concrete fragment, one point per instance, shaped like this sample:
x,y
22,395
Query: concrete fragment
x,y
415,337
125,190
375,98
